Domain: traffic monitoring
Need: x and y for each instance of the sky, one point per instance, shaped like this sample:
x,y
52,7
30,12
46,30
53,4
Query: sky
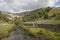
x,y
57,3
26,5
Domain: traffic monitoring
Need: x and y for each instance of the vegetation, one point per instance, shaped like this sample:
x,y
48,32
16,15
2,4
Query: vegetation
x,y
4,17
42,33
6,25
52,15
5,28
41,13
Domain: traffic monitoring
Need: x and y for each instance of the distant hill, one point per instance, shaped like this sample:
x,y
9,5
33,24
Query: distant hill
x,y
6,16
26,13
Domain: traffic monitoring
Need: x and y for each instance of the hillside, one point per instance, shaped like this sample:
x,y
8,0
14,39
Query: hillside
x,y
55,12
43,14
47,15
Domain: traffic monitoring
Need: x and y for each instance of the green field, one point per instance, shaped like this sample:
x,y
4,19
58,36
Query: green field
x,y
5,28
43,33
49,22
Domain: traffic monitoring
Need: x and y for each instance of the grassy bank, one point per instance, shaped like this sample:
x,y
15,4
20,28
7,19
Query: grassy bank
x,y
42,33
5,28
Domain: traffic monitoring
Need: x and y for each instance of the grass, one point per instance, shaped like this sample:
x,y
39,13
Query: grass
x,y
57,18
43,33
49,22
53,22
4,29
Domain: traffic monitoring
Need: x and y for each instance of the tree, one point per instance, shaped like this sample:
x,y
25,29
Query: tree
x,y
46,16
48,9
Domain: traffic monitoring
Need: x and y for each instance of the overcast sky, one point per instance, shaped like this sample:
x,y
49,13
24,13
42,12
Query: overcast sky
x,y
25,5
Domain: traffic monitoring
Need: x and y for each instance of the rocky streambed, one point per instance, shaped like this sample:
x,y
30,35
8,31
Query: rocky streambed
x,y
19,34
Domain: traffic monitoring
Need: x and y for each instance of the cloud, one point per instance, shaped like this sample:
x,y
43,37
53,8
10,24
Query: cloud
x,y
24,5
57,4
52,2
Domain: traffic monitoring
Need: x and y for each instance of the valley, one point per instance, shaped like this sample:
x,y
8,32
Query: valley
x,y
40,24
